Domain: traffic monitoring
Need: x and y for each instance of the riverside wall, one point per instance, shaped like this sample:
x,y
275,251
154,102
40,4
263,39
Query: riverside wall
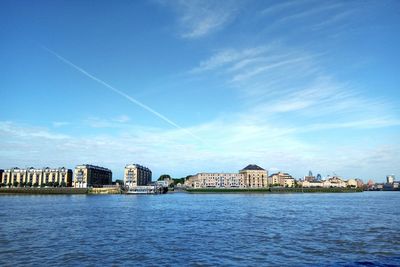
x,y
44,191
275,190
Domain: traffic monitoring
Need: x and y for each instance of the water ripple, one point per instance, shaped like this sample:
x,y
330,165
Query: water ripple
x,y
201,230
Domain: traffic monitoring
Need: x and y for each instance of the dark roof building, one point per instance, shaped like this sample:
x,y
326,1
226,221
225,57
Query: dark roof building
x,y
253,167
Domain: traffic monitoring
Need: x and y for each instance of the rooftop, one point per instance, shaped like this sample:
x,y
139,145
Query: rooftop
x,y
253,167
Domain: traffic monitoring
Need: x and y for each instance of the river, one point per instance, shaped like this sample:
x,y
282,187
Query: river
x,y
179,229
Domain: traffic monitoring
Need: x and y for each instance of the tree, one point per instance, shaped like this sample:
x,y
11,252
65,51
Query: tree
x,y
56,184
63,184
15,184
29,184
35,184
163,177
42,184
179,180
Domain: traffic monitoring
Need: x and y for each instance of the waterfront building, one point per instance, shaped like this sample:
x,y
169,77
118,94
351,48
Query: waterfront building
x,y
360,183
91,176
316,184
379,186
162,183
331,182
336,181
390,179
37,177
136,175
309,178
281,179
370,184
216,180
289,182
351,183
254,176
396,185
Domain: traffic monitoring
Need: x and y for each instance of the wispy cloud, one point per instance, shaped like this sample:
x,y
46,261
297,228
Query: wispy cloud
x,y
60,123
310,16
315,10
228,56
199,18
235,143
281,6
9,128
119,92
116,122
122,119
279,86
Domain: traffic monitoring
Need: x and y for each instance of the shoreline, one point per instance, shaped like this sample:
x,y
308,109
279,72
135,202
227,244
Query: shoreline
x,y
44,191
274,190
114,191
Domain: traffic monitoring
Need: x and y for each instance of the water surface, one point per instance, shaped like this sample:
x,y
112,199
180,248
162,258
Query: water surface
x,y
201,229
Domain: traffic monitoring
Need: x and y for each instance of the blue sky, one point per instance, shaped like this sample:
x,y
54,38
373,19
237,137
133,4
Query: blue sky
x,y
202,86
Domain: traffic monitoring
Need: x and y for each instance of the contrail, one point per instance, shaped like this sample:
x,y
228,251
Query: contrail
x,y
121,93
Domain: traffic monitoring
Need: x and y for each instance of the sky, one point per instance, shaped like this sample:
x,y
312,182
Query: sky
x,y
202,86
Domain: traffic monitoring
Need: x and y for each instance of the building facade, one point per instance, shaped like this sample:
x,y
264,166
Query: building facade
x,y
91,176
332,182
254,176
281,179
136,175
251,176
37,177
215,180
390,179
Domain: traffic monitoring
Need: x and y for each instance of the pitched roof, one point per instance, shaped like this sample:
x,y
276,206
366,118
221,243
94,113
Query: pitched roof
x,y
253,167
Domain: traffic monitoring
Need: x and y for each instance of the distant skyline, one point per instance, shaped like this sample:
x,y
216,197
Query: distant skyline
x,y
202,86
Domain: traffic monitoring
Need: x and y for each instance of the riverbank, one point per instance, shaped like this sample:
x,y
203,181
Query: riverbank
x,y
114,190
275,190
44,191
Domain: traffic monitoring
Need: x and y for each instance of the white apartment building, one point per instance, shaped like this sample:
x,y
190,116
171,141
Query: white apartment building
x,y
136,175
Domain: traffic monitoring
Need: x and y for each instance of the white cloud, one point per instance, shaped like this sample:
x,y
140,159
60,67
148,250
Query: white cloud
x,y
122,119
233,143
281,6
60,123
273,80
227,56
199,18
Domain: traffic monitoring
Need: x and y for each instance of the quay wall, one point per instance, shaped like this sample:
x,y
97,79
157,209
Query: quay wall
x,y
44,191
276,190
